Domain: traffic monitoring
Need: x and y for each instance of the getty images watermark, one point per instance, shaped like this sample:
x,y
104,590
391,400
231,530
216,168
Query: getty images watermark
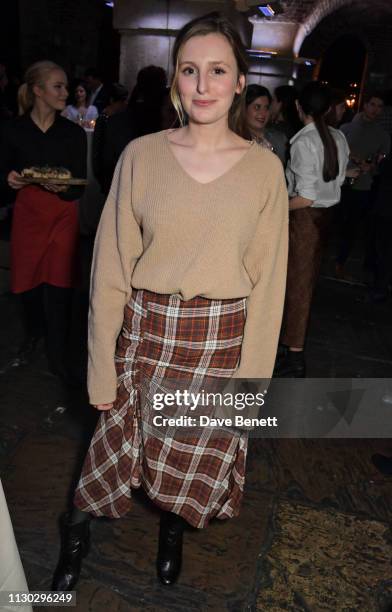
x,y
226,409
293,408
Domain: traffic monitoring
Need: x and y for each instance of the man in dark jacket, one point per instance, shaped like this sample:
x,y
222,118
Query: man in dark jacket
x,y
99,93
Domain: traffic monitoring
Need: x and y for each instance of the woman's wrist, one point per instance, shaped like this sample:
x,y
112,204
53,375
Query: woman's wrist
x,y
299,202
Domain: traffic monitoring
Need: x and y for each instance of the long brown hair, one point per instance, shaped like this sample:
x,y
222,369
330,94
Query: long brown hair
x,y
36,74
315,100
213,23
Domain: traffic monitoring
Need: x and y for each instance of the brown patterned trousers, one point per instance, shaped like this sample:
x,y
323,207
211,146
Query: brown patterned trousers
x,y
308,235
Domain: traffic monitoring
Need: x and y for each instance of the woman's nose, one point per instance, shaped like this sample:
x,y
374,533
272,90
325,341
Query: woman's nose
x,y
202,83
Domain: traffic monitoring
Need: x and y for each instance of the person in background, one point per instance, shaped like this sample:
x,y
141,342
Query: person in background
x,y
315,172
284,112
78,110
334,116
90,210
190,262
368,143
143,116
98,92
145,102
385,120
45,221
118,95
257,102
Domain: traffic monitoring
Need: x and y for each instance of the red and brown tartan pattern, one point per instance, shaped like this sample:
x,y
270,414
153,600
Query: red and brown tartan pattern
x,y
198,476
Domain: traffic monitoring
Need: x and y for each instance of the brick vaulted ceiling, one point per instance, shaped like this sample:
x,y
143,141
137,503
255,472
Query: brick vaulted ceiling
x,y
309,13
302,11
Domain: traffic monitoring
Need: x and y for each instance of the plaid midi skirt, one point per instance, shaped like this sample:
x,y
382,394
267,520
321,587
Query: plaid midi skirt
x,y
198,476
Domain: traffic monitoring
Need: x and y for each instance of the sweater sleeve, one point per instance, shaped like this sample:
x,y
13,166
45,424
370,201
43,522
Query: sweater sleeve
x,y
118,246
266,264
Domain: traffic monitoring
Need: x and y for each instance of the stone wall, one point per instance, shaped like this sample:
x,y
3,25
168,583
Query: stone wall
x,y
148,29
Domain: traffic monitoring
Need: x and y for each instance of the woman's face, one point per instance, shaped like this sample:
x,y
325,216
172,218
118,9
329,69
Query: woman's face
x,y
208,78
80,94
258,114
53,93
340,110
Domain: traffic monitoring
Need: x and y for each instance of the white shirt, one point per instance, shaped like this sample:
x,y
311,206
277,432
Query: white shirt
x,y
304,171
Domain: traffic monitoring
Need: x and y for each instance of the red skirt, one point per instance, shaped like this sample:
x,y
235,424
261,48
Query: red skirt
x,y
44,240
198,476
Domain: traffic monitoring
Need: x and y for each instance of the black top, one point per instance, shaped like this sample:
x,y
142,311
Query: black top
x,y
111,136
64,144
102,99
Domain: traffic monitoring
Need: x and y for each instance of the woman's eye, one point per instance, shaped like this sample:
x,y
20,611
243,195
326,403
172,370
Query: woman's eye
x,y
219,71
188,70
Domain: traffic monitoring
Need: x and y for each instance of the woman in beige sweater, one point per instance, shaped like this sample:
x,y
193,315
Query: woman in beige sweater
x,y
187,291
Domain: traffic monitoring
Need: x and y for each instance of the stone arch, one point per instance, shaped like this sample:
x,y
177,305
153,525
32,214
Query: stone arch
x,y
330,35
321,10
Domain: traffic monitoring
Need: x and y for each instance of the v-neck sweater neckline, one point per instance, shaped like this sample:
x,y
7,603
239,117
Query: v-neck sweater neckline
x,y
224,175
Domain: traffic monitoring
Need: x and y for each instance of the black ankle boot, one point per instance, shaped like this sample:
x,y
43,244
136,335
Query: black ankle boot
x,y
383,464
74,547
169,557
290,365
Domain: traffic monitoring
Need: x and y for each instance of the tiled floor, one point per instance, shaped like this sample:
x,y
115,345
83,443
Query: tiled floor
x,y
314,532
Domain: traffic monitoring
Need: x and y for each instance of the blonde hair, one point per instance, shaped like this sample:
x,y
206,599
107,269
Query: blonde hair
x,y
213,23
36,74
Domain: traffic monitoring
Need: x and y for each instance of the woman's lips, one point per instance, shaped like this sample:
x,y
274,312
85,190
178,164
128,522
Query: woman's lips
x,y
203,102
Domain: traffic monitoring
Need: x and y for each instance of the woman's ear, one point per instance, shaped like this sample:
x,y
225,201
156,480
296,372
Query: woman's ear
x,y
241,84
37,91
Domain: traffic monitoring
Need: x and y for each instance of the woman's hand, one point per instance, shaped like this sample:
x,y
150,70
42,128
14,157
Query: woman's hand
x,y
13,180
353,173
366,167
103,406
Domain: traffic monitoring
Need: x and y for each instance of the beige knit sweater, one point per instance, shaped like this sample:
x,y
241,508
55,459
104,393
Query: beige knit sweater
x,y
164,231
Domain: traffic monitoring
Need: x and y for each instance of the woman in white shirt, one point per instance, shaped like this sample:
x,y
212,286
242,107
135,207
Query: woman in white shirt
x,y
317,168
79,111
